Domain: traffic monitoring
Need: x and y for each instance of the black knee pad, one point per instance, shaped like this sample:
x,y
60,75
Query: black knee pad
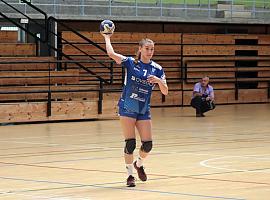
x,y
147,146
130,146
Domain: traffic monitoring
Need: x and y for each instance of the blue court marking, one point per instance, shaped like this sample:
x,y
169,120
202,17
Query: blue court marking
x,y
74,160
120,188
159,175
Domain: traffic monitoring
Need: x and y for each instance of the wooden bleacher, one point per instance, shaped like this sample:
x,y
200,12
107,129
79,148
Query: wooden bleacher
x,y
75,91
203,54
216,56
24,85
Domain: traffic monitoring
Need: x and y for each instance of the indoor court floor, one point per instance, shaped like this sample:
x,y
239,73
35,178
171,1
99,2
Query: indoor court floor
x,y
224,156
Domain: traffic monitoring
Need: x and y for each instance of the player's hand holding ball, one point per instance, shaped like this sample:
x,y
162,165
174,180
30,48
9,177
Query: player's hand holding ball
x,y
106,28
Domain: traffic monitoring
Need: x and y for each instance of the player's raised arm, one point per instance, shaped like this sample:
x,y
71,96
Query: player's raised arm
x,y
106,29
110,51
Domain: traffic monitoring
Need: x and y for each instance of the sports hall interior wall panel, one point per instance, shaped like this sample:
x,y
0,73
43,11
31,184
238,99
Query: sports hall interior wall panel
x,y
169,27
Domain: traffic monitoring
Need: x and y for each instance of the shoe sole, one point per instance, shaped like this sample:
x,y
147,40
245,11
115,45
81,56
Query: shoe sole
x,y
131,185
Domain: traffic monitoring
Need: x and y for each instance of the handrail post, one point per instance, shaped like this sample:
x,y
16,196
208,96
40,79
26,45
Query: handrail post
x,y
58,53
268,93
182,68
49,102
37,47
163,98
236,84
100,97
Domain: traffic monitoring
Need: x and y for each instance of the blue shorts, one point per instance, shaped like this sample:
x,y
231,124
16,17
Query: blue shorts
x,y
127,113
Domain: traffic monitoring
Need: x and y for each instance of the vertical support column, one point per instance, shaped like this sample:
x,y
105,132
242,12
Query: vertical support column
x,y
236,90
182,69
100,97
49,101
268,93
163,98
22,35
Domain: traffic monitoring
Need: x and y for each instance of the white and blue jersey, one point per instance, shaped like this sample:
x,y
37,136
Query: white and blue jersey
x,y
137,91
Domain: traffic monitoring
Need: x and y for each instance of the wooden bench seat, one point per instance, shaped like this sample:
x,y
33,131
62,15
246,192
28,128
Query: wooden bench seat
x,y
34,78
120,48
212,75
64,92
26,66
172,38
229,69
225,58
17,49
222,50
222,38
232,80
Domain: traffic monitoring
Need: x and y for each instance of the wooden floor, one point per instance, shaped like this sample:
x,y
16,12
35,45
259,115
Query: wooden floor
x,y
223,156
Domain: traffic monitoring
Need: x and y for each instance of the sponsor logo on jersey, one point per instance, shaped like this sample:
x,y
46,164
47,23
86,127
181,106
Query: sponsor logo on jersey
x,y
143,91
136,69
136,97
141,81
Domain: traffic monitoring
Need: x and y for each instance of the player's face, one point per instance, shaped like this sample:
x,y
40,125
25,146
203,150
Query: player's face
x,y
147,51
205,81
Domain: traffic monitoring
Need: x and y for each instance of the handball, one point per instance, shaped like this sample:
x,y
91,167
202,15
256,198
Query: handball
x,y
107,27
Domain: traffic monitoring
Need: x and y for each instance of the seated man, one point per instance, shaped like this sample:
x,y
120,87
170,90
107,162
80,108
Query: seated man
x,y
203,97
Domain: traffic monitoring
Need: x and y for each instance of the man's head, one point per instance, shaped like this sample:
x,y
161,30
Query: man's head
x,y
205,81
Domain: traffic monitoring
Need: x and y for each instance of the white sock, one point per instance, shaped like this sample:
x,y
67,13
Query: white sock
x,y
129,168
139,162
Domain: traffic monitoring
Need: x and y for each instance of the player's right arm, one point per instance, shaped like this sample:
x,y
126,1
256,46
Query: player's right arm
x,y
118,58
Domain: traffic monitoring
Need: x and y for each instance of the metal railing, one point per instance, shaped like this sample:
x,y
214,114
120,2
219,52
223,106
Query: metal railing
x,y
199,10
30,80
46,26
48,32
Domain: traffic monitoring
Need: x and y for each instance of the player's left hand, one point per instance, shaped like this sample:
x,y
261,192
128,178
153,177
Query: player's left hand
x,y
153,79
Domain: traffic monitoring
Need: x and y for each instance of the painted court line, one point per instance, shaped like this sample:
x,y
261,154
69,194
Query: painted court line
x,y
204,164
122,188
121,172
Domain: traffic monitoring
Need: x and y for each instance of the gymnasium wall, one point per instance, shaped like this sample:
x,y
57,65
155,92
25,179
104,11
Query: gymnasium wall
x,y
155,27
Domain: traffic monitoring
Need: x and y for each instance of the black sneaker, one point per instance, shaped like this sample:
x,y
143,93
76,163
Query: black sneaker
x,y
141,173
131,181
200,115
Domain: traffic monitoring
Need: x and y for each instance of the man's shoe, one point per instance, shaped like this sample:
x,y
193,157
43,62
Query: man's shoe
x,y
200,115
131,181
141,173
